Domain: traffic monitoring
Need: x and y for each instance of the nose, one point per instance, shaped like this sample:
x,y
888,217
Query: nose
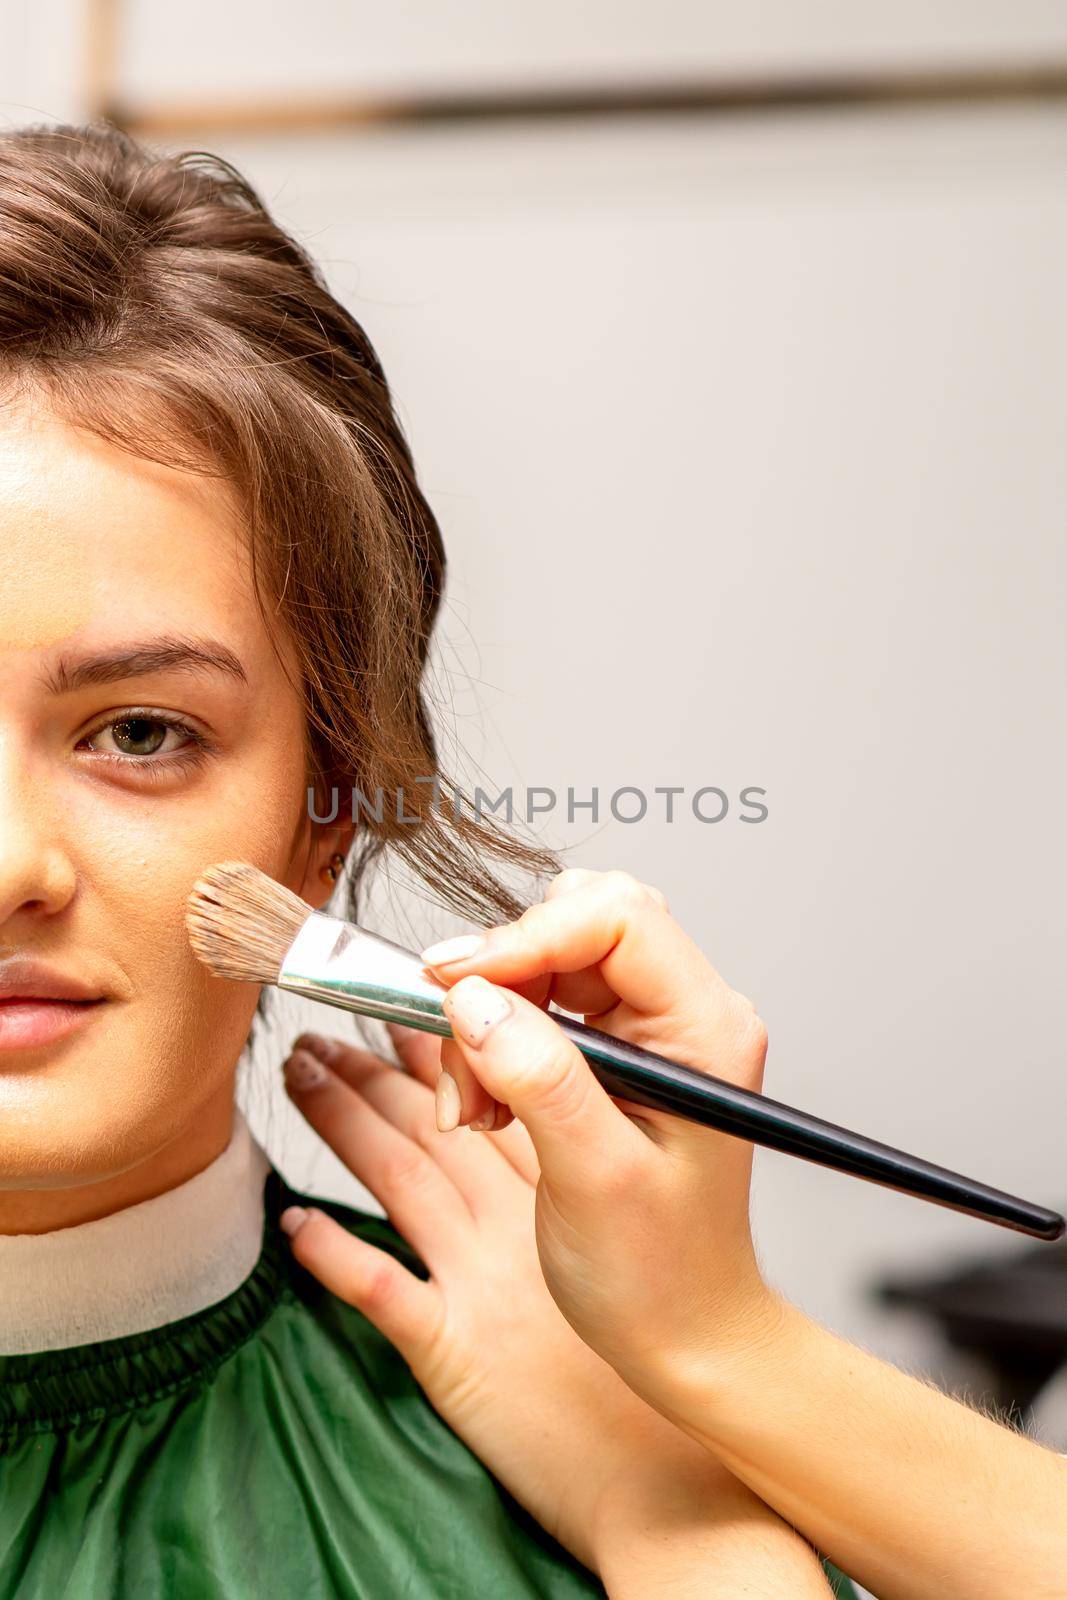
x,y
37,873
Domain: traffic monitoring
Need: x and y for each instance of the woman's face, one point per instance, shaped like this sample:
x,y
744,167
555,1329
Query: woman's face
x,y
147,729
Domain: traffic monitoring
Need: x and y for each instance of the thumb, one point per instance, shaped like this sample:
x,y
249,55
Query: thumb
x,y
524,1059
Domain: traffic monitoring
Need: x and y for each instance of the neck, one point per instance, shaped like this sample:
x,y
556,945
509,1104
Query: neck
x,y
141,1268
195,1147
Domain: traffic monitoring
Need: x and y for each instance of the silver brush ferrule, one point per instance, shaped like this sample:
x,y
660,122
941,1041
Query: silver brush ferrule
x,y
340,964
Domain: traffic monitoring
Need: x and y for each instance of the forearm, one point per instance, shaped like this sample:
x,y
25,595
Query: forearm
x,y
696,1533
912,1493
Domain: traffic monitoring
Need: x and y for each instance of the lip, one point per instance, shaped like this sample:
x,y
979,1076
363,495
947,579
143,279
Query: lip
x,y
22,978
28,1023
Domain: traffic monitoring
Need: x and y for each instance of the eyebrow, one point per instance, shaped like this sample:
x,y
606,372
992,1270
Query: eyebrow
x,y
166,654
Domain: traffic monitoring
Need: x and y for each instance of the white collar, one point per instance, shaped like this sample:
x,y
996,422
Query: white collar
x,y
140,1268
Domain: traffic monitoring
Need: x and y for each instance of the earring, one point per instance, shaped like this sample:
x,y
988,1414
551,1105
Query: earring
x,y
332,871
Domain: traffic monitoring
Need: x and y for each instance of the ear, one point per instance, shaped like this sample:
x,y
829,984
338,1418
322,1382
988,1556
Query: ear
x,y
315,850
329,846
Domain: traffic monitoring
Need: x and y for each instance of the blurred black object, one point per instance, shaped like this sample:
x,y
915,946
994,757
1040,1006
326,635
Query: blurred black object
x,y
1010,1312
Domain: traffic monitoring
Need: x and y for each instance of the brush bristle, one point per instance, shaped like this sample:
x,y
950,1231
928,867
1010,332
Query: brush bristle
x,y
241,922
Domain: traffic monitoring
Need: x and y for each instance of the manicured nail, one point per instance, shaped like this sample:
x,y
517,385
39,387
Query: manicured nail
x,y
447,1105
474,1007
483,1123
317,1045
449,950
292,1220
302,1071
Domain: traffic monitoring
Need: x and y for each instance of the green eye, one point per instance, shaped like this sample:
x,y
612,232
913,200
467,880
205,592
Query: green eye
x,y
138,736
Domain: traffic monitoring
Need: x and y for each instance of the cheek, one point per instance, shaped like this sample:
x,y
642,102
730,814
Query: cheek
x,y
142,853
144,906
140,857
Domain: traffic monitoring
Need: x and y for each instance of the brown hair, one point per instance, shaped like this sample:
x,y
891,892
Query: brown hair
x,y
159,304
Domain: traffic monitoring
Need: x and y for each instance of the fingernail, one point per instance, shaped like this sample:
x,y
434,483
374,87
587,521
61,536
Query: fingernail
x,y
483,1123
302,1071
292,1220
460,949
447,1105
474,1007
316,1044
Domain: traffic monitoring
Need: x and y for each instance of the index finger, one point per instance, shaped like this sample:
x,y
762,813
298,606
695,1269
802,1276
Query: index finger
x,y
526,1061
613,923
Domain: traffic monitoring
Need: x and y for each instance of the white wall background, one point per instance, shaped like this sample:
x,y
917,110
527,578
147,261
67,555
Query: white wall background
x,y
430,44
747,439
201,48
748,447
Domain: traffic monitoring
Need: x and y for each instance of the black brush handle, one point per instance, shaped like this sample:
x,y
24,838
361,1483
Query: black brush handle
x,y
648,1079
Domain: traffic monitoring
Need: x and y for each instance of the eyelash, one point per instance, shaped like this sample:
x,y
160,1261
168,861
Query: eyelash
x,y
152,766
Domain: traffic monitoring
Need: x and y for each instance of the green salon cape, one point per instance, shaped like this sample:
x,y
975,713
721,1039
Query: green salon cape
x,y
272,1447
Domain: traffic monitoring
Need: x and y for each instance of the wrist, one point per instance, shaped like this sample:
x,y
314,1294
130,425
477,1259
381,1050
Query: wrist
x,y
658,1490
702,1382
675,1520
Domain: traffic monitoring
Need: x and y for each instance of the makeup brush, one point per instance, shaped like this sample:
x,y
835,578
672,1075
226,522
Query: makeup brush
x,y
244,926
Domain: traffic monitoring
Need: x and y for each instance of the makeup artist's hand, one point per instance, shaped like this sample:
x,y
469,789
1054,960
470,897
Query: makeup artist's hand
x,y
629,1494
642,1231
642,1218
